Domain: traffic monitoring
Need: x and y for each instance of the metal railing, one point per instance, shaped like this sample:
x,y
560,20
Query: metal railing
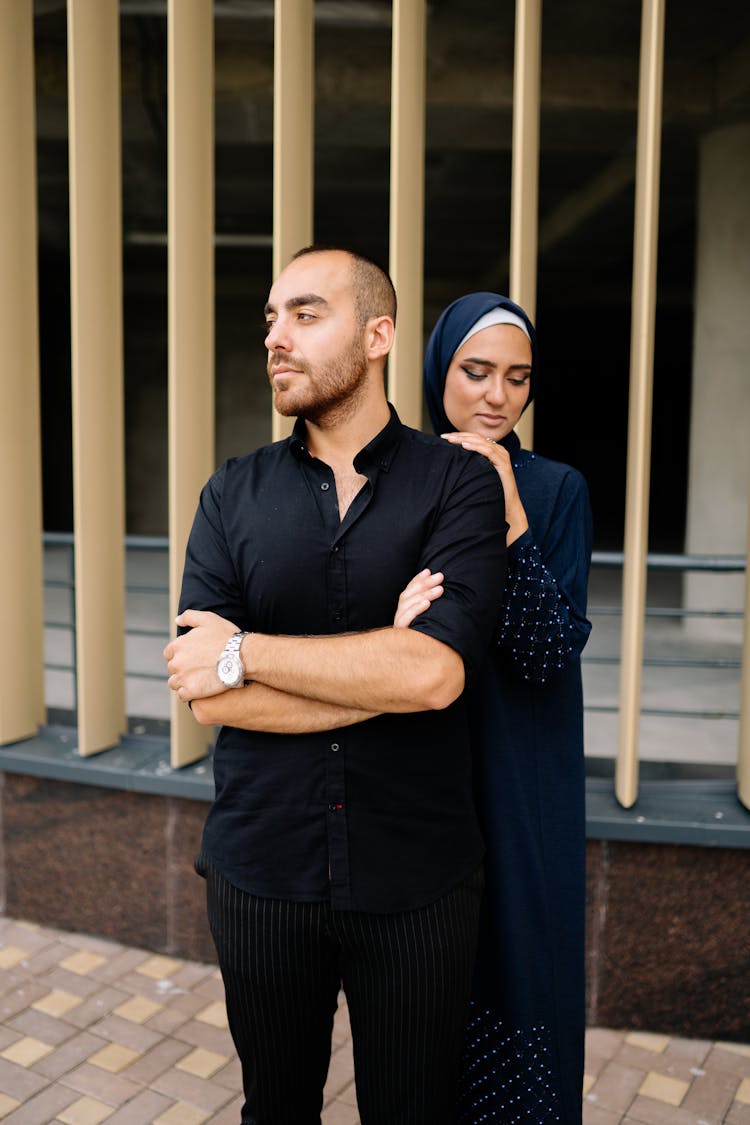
x,y
147,624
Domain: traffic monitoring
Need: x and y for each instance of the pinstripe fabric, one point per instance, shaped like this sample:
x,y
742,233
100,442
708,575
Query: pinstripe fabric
x,y
407,979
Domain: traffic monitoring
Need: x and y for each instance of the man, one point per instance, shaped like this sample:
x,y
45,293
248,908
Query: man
x,y
342,844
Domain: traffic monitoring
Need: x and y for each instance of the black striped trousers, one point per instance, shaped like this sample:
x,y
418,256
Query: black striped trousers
x,y
407,979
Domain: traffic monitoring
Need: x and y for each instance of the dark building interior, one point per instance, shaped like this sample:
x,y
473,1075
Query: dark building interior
x,y
586,203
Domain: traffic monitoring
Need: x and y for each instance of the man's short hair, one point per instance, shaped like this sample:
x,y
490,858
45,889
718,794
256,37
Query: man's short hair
x,y
374,294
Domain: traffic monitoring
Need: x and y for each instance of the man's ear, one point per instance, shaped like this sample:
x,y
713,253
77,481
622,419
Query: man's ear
x,y
379,337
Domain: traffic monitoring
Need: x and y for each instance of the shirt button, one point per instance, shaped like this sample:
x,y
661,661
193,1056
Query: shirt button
x,y
324,486
334,746
335,550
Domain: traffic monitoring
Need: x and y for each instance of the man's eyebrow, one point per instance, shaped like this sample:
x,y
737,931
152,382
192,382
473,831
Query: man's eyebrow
x,y
298,302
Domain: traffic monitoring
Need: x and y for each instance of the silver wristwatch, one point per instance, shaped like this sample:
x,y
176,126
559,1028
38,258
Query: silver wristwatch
x,y
229,665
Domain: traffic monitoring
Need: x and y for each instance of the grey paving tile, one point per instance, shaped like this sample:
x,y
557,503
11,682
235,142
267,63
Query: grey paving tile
x,y
70,1055
41,1026
188,1088
126,1033
96,1006
19,1082
142,1109
156,1061
97,1083
616,1087
43,1107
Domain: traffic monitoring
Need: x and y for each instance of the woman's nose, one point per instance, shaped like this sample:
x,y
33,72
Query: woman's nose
x,y
495,391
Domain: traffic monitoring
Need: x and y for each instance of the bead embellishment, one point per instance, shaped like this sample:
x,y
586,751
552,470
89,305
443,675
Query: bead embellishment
x,y
535,620
506,1073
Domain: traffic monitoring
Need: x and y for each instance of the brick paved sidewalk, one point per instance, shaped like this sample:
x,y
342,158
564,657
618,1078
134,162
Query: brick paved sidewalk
x,y
93,1031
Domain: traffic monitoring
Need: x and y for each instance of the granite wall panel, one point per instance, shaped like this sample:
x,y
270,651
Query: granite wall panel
x,y
105,861
671,925
666,925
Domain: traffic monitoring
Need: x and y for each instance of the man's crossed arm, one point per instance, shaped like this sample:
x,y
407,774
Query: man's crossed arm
x,y
307,684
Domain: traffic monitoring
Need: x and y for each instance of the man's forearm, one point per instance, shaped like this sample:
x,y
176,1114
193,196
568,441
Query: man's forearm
x,y
262,708
395,670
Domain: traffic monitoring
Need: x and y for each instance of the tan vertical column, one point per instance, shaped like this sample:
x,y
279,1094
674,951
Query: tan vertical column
x,y
641,387
21,662
524,205
191,301
293,140
406,253
96,333
743,755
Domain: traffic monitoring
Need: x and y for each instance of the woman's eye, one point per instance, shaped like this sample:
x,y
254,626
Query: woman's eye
x,y
476,375
518,382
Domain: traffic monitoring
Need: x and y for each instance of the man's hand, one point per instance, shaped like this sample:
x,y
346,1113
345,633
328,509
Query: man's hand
x,y
191,659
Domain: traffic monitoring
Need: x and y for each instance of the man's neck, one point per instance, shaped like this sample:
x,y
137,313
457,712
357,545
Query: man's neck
x,y
341,441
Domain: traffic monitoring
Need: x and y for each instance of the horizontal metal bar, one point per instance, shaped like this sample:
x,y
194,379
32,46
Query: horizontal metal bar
x,y
725,563
147,542
668,661
664,611
662,713
58,538
603,559
137,588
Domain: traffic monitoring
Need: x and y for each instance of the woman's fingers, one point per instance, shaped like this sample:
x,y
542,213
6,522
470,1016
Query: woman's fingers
x,y
423,589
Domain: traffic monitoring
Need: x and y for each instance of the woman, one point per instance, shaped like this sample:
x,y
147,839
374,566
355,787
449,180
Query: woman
x,y
523,1060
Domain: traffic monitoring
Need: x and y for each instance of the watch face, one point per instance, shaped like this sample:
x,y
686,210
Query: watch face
x,y
229,670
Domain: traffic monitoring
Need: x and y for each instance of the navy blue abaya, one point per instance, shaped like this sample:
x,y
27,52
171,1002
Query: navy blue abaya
x,y
523,1061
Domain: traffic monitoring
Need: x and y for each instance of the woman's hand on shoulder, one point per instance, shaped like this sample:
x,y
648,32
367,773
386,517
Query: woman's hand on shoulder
x,y
418,596
499,458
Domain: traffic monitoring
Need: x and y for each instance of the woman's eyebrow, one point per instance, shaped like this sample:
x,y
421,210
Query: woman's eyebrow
x,y
490,363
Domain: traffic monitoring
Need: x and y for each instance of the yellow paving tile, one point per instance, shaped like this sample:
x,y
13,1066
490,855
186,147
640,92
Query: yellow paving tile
x,y
86,1111
114,1057
663,1088
215,1014
743,1092
202,1063
82,962
138,1009
7,1105
647,1040
588,1082
10,955
27,1051
56,1003
159,967
735,1048
182,1114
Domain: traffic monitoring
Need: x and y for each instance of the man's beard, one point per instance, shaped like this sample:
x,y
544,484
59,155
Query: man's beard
x,y
333,391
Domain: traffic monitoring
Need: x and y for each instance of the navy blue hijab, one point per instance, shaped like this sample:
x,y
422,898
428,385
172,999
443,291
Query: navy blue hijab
x,y
448,333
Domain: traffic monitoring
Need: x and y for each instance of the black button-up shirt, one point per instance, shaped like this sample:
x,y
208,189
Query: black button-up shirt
x,y
377,816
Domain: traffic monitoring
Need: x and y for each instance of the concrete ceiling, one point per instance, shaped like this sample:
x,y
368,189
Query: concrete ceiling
x,y
588,130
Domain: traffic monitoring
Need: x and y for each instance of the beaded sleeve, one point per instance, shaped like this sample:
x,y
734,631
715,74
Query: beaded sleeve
x,y
537,627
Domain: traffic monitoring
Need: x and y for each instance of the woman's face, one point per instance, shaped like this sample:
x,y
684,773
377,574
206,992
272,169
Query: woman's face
x,y
487,383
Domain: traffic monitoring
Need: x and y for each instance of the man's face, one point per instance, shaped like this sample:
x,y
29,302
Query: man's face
x,y
317,361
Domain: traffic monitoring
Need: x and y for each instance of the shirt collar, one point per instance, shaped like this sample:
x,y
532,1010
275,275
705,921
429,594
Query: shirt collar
x,y
378,453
